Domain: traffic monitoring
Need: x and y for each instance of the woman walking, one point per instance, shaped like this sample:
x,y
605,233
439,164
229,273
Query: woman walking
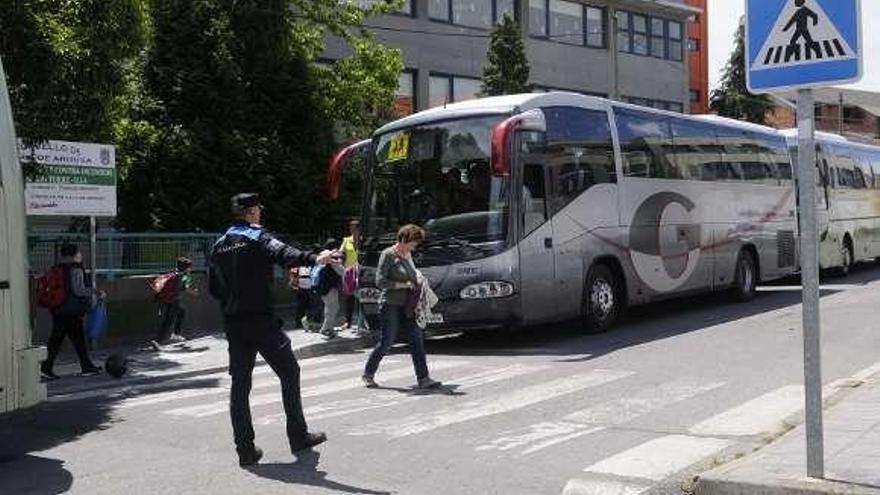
x,y
398,280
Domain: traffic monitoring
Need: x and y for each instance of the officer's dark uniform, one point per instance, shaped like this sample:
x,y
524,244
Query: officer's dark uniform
x,y
241,276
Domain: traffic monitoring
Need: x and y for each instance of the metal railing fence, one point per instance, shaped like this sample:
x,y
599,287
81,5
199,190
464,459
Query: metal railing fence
x,y
124,254
120,255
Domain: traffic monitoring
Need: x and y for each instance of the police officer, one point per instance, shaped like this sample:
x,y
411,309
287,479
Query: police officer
x,y
240,279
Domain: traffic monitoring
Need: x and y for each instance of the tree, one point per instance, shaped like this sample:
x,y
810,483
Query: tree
x,y
70,65
508,69
234,100
733,98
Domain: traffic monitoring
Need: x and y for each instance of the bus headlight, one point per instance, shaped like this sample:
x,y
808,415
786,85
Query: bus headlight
x,y
487,290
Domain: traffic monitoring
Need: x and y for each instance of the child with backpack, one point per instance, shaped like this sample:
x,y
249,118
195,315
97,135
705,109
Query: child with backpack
x,y
326,282
168,290
65,292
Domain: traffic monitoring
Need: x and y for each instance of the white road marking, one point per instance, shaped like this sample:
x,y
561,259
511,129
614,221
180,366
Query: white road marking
x,y
602,487
493,405
384,399
223,386
612,413
660,458
125,390
760,415
222,407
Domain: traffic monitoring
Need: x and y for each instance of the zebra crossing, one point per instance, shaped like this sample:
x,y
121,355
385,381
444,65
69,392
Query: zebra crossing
x,y
818,50
573,407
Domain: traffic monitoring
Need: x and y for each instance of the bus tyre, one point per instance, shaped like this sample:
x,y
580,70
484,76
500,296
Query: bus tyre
x,y
745,279
602,300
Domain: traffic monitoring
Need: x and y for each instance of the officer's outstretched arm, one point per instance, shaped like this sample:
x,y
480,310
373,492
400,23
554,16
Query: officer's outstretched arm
x,y
285,255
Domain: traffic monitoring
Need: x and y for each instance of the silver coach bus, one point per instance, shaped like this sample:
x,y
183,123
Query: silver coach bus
x,y
555,206
848,200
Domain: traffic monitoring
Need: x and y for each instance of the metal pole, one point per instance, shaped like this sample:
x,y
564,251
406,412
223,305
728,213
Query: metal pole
x,y
93,259
810,278
840,115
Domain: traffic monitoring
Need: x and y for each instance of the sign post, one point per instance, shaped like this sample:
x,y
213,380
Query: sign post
x,y
75,179
803,44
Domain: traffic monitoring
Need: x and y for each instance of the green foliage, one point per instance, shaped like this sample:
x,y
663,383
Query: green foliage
x,y
203,98
229,107
69,65
733,98
508,69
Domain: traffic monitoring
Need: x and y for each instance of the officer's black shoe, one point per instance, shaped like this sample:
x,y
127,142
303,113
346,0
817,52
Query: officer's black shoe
x,y
250,457
310,440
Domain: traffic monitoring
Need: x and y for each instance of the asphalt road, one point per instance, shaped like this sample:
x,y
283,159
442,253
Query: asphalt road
x,y
677,387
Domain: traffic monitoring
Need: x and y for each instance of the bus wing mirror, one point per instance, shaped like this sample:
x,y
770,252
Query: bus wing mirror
x,y
503,134
339,162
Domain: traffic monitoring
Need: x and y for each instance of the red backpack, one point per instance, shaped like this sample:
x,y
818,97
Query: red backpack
x,y
164,287
51,289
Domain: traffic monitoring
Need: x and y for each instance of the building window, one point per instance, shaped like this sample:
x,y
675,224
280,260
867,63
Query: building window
x,y
595,27
674,31
404,98
472,13
443,89
853,114
658,34
503,7
693,45
695,96
406,8
673,106
465,88
439,10
538,18
567,22
439,91
624,37
640,34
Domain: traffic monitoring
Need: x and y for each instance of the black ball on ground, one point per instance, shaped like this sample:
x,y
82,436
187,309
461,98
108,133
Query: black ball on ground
x,y
116,365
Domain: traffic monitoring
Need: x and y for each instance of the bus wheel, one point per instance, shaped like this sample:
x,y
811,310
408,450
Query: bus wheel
x,y
746,277
602,299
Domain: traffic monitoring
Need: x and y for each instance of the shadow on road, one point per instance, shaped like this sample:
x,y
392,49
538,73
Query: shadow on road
x,y
641,324
38,476
305,472
39,428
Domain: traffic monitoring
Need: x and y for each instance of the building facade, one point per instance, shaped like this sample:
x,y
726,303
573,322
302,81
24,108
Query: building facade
x,y
698,58
630,50
851,113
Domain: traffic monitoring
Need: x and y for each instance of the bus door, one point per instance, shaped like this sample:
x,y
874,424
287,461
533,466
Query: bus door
x,y
584,201
536,255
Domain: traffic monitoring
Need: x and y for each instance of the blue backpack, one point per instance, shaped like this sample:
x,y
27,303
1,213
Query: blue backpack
x,y
315,277
323,279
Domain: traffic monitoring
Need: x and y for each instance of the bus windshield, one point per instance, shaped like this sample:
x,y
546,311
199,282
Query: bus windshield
x,y
438,176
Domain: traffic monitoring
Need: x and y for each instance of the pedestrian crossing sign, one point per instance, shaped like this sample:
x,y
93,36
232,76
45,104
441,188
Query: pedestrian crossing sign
x,y
795,44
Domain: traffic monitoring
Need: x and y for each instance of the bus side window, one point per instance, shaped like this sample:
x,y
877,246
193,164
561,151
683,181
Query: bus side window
x,y
696,151
645,139
534,200
579,153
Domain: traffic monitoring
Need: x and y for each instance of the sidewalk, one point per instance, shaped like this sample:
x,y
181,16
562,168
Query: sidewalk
x,y
852,455
202,355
